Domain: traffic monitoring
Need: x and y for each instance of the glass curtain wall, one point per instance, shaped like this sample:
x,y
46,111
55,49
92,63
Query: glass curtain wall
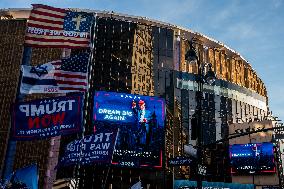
x,y
132,58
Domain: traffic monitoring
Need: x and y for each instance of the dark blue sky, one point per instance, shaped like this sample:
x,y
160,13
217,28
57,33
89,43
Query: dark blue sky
x,y
254,28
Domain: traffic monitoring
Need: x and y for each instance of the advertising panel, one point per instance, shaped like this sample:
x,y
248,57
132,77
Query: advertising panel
x,y
252,158
141,123
47,117
96,148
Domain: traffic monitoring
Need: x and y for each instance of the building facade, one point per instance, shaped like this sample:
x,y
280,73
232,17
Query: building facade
x,y
139,56
259,180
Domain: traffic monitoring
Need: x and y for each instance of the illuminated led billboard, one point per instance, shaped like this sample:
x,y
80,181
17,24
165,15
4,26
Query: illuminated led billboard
x,y
141,123
252,158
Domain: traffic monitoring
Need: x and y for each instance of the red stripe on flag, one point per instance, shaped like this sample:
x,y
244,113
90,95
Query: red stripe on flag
x,y
46,20
44,27
54,40
48,7
69,76
34,11
71,82
57,46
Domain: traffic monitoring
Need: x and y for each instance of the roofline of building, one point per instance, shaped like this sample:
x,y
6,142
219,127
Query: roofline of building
x,y
185,33
142,19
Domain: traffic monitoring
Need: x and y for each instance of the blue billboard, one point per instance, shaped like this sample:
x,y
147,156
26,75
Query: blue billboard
x,y
141,123
252,158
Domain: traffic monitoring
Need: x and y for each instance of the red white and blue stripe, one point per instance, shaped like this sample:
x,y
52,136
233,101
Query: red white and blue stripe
x,y
61,76
54,27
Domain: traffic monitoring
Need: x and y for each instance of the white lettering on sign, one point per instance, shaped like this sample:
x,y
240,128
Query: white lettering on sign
x,y
118,118
246,167
108,111
37,110
102,146
113,114
130,96
99,141
241,155
40,31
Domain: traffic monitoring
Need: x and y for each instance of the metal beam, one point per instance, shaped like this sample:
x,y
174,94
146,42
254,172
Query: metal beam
x,y
243,134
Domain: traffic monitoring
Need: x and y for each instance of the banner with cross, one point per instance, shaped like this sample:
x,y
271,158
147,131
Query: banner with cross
x,y
54,27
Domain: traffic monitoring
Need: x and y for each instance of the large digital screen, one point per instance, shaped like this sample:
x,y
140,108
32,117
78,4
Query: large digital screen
x,y
252,158
140,120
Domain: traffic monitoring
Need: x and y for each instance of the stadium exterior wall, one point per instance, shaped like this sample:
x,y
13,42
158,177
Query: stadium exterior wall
x,y
147,57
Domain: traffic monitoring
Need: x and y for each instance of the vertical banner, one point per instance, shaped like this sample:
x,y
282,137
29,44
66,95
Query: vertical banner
x,y
141,123
96,148
47,117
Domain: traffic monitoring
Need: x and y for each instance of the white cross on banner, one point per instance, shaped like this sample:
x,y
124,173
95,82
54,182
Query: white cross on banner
x,y
78,21
58,28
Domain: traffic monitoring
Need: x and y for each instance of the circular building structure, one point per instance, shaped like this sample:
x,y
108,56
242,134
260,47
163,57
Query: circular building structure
x,y
137,55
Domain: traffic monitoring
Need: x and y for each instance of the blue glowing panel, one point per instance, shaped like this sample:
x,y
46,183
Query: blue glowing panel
x,y
141,123
252,158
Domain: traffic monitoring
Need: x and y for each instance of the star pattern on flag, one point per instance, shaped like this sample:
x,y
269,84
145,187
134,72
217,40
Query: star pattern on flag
x,y
76,64
77,21
67,29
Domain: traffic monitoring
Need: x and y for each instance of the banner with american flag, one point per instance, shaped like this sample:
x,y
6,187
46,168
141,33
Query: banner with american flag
x,y
54,27
61,76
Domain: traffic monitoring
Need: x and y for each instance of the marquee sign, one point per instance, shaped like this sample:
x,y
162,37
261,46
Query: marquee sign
x,y
47,117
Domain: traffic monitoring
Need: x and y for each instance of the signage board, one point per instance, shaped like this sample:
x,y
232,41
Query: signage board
x,y
252,158
179,161
45,118
95,148
279,132
141,123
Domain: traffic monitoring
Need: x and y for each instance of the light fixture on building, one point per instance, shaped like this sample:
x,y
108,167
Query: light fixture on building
x,y
191,55
210,76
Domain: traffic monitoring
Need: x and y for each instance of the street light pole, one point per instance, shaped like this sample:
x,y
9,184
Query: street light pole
x,y
202,76
199,141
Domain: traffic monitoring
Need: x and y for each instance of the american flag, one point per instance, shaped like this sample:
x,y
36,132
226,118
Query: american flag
x,y
55,27
61,76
